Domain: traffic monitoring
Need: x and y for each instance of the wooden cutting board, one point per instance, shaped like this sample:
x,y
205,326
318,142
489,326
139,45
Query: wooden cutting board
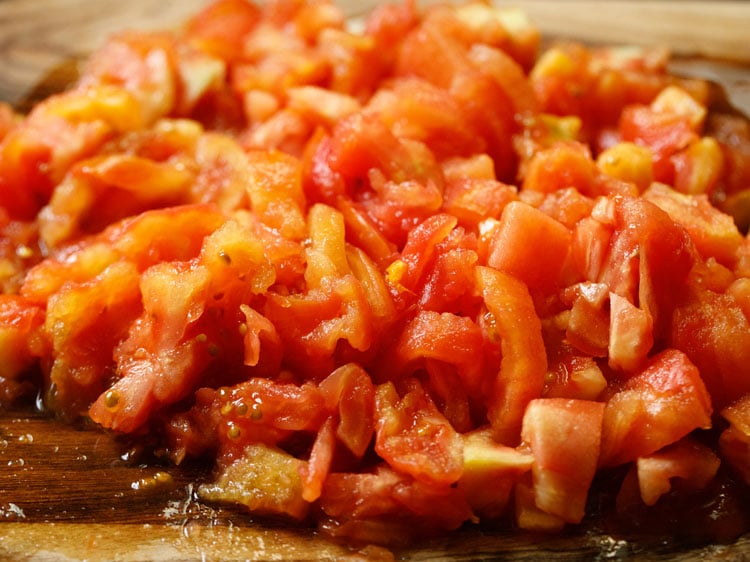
x,y
71,493
76,493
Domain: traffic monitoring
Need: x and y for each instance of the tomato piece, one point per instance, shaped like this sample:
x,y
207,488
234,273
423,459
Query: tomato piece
x,y
693,464
406,273
84,322
713,233
648,265
104,190
316,470
148,238
714,333
490,472
564,436
734,442
630,334
363,141
567,206
520,378
160,361
442,37
363,232
312,325
414,437
572,375
656,407
563,165
442,337
221,27
472,200
451,394
143,65
416,109
522,227
349,391
264,479
449,284
187,308
65,128
260,335
528,515
380,505
664,133
590,247
20,345
588,326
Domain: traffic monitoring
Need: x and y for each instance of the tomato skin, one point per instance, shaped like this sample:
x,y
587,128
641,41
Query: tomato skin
x,y
315,472
654,408
524,360
349,391
564,436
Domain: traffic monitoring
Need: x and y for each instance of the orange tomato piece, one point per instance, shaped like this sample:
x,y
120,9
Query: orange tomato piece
x,y
520,378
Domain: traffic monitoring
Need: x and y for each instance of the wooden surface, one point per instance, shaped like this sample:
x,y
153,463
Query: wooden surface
x,y
76,494
41,41
70,493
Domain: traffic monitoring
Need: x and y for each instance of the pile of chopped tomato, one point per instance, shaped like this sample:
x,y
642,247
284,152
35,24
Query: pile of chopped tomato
x,y
389,281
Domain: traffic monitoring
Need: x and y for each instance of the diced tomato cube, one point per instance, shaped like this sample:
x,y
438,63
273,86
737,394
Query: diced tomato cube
x,y
530,246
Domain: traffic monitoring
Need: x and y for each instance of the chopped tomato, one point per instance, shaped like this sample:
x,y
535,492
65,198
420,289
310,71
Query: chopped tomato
x,y
390,280
714,333
688,461
349,392
274,489
490,472
522,225
734,442
20,344
520,378
414,437
564,436
654,408
379,505
221,27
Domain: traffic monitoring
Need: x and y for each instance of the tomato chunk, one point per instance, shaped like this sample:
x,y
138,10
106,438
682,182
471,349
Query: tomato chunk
x,y
564,436
654,408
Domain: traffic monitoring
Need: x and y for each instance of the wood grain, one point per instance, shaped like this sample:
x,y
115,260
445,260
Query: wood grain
x,y
690,27
76,493
43,41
